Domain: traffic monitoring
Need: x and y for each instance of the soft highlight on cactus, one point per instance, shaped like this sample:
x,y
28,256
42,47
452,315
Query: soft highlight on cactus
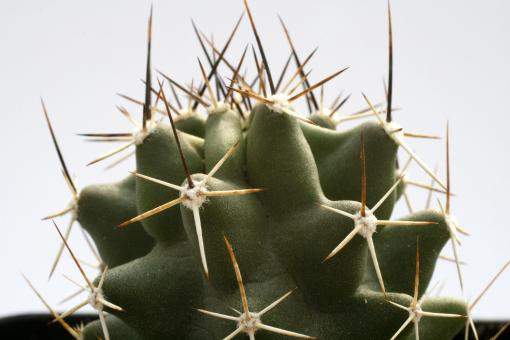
x,y
246,218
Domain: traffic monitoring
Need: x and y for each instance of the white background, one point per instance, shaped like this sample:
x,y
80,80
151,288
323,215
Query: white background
x,y
451,62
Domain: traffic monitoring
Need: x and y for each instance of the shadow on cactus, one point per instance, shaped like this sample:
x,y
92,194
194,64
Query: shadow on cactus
x,y
259,222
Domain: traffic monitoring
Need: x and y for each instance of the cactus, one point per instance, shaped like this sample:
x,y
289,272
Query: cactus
x,y
259,222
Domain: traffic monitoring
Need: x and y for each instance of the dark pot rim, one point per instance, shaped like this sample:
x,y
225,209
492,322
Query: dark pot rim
x,y
38,326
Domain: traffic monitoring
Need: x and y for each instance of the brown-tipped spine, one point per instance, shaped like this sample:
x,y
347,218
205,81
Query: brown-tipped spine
x,y
363,176
148,95
218,61
448,189
298,62
177,141
57,148
390,67
417,273
261,49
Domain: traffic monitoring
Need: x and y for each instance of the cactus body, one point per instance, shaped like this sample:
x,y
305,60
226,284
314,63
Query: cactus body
x,y
280,236
167,270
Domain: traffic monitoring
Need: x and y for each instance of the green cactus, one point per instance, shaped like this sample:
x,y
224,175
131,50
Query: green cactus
x,y
256,221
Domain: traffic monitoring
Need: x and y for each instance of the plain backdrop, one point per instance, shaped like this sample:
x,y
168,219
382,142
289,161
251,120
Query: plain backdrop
x,y
451,63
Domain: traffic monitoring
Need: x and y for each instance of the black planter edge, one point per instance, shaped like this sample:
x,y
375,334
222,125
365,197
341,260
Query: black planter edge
x,y
37,326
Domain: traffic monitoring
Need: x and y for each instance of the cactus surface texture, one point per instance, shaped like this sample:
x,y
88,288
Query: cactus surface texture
x,y
253,221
